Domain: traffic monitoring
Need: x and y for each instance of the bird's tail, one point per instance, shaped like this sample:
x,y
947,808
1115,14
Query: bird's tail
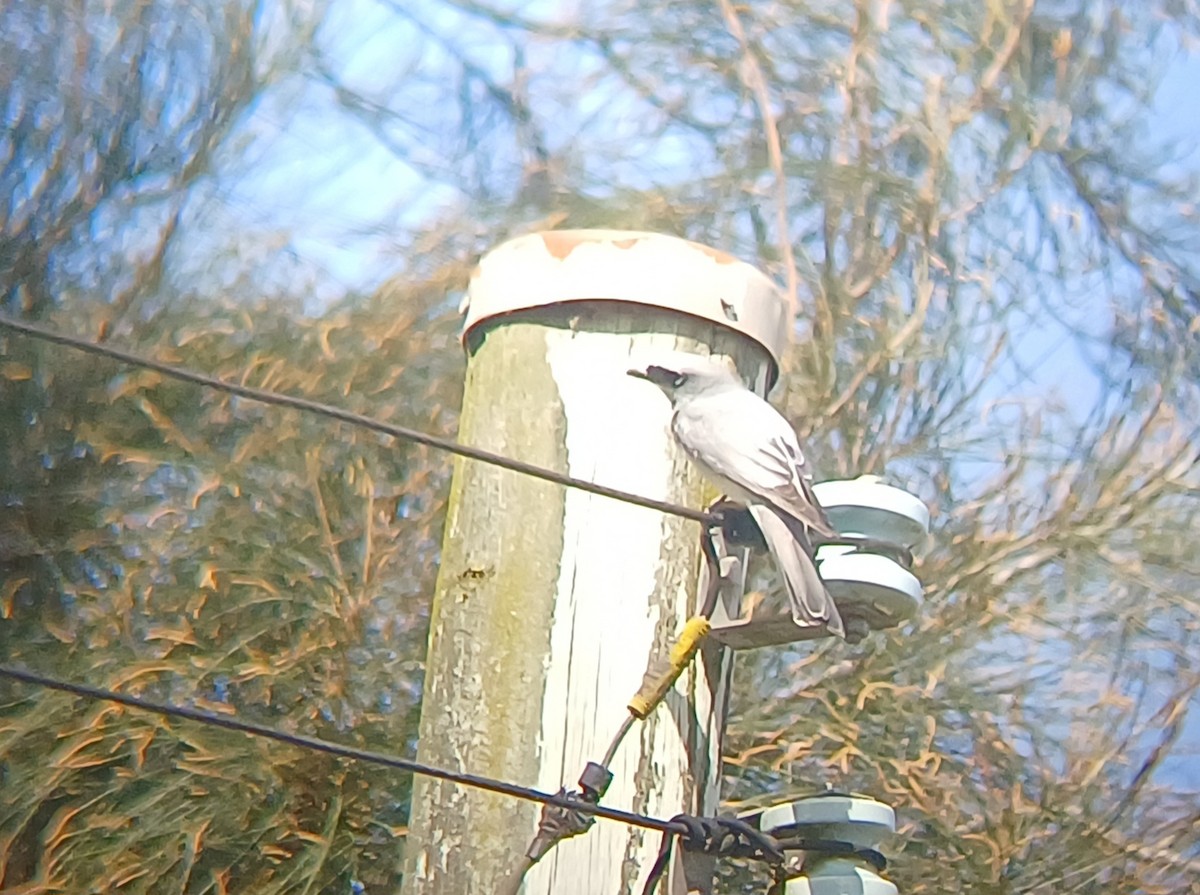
x,y
810,602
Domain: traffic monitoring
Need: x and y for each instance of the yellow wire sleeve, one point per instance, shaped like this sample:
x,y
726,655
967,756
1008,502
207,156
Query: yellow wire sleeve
x,y
661,676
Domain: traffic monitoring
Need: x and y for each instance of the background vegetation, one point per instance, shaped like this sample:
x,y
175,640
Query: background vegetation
x,y
994,250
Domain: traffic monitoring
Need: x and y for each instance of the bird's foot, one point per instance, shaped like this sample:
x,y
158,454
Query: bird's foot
x,y
737,525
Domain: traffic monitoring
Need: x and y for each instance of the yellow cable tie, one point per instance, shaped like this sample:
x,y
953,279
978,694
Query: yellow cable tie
x,y
661,676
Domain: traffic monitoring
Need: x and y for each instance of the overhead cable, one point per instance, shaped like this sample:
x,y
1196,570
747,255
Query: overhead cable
x,y
341,751
355,419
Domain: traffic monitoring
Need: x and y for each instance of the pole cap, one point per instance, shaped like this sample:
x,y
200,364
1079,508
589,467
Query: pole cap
x,y
553,267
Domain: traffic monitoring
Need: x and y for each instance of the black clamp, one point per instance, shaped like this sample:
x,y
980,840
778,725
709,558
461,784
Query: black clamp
x,y
594,781
559,822
725,837
728,837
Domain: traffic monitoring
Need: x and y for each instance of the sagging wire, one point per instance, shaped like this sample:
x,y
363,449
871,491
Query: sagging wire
x,y
722,837
557,824
341,751
660,677
355,419
726,513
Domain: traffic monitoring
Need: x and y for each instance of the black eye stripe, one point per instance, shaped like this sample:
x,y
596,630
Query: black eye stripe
x,y
663,375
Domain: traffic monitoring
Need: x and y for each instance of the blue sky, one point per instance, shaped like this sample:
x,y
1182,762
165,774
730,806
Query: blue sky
x,y
342,197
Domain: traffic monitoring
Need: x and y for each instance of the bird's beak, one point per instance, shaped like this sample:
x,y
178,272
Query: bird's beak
x,y
638,374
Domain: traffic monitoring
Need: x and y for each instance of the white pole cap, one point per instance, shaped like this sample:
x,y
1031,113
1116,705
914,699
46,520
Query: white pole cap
x,y
558,266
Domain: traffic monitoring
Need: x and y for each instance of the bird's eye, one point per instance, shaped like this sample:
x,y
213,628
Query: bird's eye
x,y
679,380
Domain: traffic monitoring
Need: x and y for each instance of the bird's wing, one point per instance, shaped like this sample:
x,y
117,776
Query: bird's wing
x,y
744,440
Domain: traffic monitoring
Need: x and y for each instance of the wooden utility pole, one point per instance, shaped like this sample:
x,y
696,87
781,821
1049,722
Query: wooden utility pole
x,y
551,601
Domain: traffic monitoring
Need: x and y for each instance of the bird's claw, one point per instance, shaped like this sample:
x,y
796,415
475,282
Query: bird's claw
x,y
737,525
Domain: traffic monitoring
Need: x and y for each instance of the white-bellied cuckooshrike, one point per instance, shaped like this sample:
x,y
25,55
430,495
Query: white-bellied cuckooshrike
x,y
748,450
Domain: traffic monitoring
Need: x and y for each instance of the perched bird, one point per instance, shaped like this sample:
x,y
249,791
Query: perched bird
x,y
748,450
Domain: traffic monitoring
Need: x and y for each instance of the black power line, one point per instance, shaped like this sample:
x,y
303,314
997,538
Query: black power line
x,y
318,745
717,836
355,419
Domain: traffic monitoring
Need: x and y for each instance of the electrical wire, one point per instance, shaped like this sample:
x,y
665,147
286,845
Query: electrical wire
x,y
728,837
355,419
615,743
901,554
318,745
